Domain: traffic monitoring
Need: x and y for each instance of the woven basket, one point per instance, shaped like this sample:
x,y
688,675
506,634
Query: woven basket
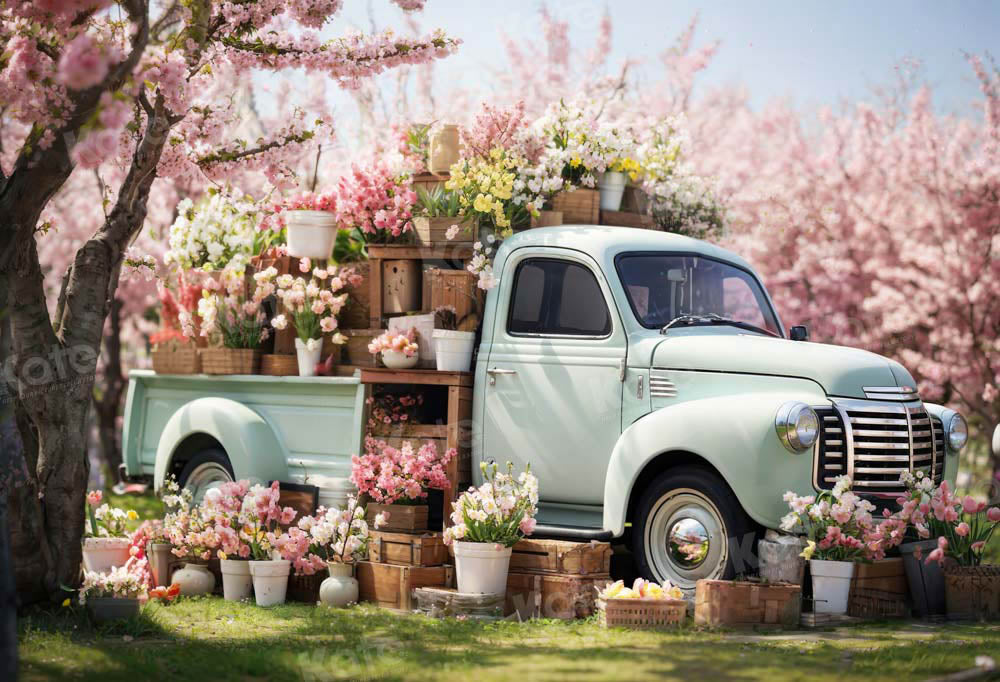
x,y
642,614
972,592
230,361
178,361
279,365
305,588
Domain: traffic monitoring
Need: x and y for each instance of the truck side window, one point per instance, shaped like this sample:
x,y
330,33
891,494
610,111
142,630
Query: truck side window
x,y
558,298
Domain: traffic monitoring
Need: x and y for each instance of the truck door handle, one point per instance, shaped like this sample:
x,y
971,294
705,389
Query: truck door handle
x,y
494,371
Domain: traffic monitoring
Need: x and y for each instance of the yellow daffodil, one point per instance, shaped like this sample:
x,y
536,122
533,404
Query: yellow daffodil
x,y
65,602
132,516
808,551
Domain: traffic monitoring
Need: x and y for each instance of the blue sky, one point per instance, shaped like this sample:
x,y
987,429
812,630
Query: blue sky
x,y
813,53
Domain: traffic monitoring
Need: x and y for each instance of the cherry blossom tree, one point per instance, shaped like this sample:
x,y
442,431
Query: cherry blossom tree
x,y
86,83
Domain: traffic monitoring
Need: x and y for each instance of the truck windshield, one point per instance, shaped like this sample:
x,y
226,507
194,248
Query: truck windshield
x,y
661,287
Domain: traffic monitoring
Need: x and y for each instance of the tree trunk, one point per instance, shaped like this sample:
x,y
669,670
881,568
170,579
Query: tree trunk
x,y
11,464
108,399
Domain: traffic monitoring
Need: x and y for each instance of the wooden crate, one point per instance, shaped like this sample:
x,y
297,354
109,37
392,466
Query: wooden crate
x,y
357,313
431,231
458,289
626,219
426,549
404,517
355,351
429,181
547,219
746,603
561,557
532,595
279,365
441,602
643,614
879,589
392,586
581,206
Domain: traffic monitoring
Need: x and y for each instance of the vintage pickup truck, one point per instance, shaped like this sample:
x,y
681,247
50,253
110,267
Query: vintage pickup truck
x,y
645,376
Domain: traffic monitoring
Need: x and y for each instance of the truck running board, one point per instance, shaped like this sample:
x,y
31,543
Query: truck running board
x,y
571,532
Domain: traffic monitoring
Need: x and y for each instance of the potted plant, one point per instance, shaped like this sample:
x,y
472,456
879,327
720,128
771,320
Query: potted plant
x,y
191,532
378,202
438,218
313,307
233,319
613,181
389,413
107,540
397,481
260,518
310,221
398,351
835,522
114,594
221,508
452,348
216,232
487,522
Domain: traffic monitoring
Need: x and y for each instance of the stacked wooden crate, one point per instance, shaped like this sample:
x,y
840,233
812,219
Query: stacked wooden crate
x,y
747,603
556,578
400,562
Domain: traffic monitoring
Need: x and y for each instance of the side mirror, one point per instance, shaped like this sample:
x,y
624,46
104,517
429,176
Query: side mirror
x,y
799,333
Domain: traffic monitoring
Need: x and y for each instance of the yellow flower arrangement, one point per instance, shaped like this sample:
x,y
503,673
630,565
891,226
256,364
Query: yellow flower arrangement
x,y
485,189
626,165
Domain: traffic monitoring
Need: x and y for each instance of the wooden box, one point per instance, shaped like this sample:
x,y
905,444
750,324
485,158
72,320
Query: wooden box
x,y
431,231
626,219
547,219
186,360
355,351
746,603
430,181
581,206
879,590
357,312
427,549
404,517
400,286
532,595
279,365
561,557
458,289
230,361
392,586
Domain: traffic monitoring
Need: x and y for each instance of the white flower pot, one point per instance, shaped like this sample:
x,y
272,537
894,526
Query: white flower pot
x,y
103,554
194,579
236,579
481,567
341,588
311,234
393,359
612,187
307,358
270,581
453,350
831,581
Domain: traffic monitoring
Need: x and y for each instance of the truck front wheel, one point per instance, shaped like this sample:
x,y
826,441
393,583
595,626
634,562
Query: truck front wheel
x,y
689,526
205,470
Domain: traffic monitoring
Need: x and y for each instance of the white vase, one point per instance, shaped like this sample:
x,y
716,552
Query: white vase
x,y
311,234
481,567
308,359
103,554
341,588
194,579
270,581
831,581
612,187
453,350
236,579
393,359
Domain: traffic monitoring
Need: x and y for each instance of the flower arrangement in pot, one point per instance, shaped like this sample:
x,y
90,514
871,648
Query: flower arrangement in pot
x,y
376,203
396,480
260,520
835,523
221,509
113,594
398,351
313,307
106,543
214,233
174,344
158,548
486,522
233,320
389,412
452,348
191,532
311,225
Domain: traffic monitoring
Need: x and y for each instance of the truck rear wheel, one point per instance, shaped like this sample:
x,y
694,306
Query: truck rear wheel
x,y
205,470
688,526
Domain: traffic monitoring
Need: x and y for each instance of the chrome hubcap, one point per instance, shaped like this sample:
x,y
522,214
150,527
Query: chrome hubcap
x,y
686,539
204,478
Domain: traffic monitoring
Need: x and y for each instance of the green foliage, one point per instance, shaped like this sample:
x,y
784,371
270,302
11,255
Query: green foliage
x,y
350,247
437,202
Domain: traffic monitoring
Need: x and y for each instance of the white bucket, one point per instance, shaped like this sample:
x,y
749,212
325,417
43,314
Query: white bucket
x,y
308,359
612,187
333,491
311,234
236,579
103,554
270,581
481,567
831,581
453,350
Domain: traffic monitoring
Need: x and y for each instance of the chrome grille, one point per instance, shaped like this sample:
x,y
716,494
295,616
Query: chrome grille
x,y
831,449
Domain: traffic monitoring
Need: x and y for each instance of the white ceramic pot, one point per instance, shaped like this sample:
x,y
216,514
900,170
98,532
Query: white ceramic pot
x,y
194,579
311,234
270,581
612,187
341,588
307,358
831,581
103,554
236,579
159,556
393,359
453,350
481,567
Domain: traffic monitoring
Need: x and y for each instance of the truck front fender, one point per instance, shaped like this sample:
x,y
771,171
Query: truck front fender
x,y
734,434
253,449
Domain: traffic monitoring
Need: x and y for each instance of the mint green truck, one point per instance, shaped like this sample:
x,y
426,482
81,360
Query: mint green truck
x,y
645,376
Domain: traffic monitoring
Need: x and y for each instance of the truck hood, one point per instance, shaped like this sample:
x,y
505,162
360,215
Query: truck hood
x,y
841,371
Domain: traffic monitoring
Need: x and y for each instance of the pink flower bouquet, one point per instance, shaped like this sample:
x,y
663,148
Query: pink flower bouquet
x,y
312,305
835,522
399,475
331,535
376,202
400,343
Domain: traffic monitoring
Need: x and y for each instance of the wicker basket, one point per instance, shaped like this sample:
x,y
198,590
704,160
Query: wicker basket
x,y
230,361
305,588
178,361
972,592
279,365
642,614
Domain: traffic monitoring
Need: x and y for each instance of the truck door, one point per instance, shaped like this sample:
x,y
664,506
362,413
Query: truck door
x,y
554,392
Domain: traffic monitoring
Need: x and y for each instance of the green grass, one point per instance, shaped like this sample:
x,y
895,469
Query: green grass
x,y
208,638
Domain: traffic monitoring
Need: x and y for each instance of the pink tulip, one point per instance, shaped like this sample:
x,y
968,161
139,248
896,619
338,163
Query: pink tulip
x,y
94,497
993,514
962,529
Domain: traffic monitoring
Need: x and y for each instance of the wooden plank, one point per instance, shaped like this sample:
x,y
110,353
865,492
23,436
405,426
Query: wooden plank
x,y
415,431
404,517
375,294
425,377
449,251
561,557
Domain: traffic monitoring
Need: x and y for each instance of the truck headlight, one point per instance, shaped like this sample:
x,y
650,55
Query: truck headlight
x,y
957,431
797,426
